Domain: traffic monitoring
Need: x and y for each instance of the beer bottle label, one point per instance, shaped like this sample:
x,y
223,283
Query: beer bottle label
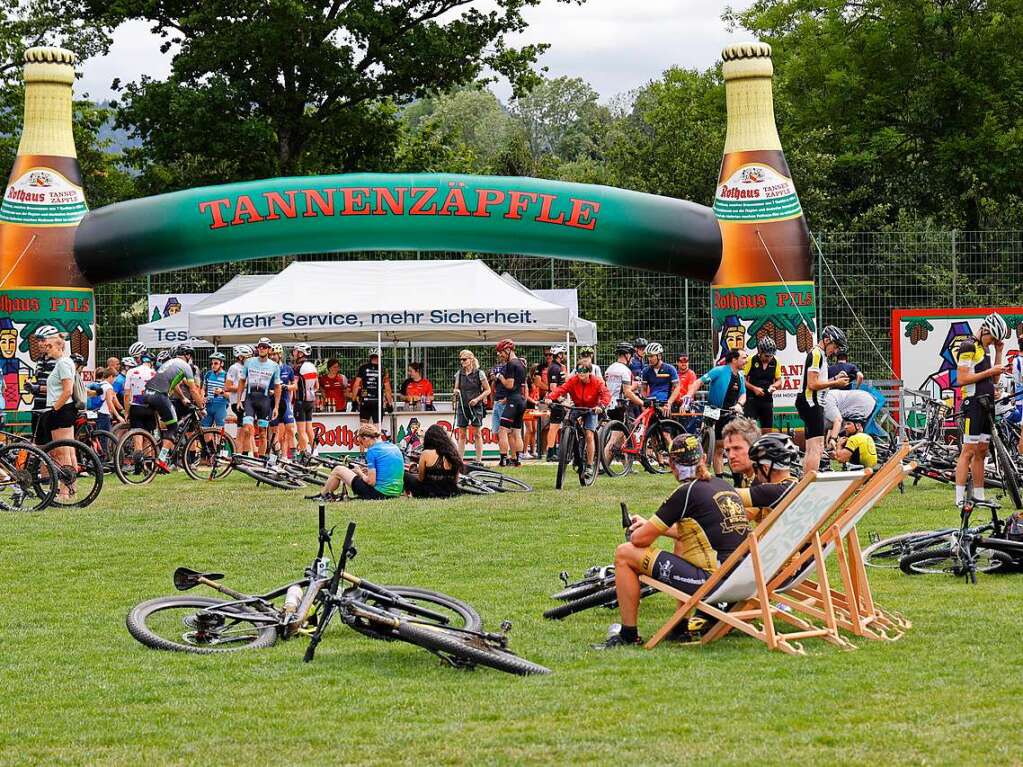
x,y
43,197
756,192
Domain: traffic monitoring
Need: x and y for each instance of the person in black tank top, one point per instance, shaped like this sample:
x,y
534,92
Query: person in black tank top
x,y
438,468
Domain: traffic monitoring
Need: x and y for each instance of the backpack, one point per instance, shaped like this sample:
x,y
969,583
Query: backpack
x,y
78,393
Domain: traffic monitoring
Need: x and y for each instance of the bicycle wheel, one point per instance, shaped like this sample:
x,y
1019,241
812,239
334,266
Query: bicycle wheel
x,y
613,438
585,587
103,444
135,457
28,478
500,483
469,650
1007,471
886,553
566,453
207,455
942,560
467,484
272,477
653,453
605,597
80,481
180,624
459,614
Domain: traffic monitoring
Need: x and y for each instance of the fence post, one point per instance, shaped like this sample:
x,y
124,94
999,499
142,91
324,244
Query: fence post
x,y
688,344
955,270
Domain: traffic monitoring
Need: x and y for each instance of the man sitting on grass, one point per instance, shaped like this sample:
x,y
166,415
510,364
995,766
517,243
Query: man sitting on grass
x,y
383,476
706,519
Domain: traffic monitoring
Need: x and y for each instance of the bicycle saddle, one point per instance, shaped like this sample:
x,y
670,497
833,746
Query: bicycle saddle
x,y
185,579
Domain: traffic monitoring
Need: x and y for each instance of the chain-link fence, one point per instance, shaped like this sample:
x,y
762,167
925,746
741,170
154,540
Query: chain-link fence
x,y
860,277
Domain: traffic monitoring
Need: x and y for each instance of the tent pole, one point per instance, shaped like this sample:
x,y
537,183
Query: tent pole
x,y
380,382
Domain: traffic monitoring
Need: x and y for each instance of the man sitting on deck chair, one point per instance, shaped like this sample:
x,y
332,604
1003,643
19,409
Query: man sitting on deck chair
x,y
772,456
706,518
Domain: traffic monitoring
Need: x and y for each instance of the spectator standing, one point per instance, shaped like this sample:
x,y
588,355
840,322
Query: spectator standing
x,y
470,393
762,376
843,365
556,376
369,387
335,387
107,410
418,391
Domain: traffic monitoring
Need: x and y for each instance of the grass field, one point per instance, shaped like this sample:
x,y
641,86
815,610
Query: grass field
x,y
77,689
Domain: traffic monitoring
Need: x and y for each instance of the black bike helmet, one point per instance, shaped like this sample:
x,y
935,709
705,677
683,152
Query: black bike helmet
x,y
623,348
182,350
775,451
766,345
78,359
836,335
639,343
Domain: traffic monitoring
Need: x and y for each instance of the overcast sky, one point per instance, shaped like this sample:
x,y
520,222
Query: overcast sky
x,y
615,45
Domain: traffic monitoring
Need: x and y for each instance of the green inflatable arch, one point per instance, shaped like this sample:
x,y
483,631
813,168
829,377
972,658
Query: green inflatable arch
x,y
366,211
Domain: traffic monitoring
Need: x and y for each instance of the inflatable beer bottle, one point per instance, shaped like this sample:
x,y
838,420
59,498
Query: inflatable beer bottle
x,y
41,207
763,286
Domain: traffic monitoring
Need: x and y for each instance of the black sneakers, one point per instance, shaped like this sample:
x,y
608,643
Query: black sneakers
x,y
614,640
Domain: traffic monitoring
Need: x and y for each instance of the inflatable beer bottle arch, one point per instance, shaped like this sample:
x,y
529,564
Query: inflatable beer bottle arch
x,y
763,286
41,207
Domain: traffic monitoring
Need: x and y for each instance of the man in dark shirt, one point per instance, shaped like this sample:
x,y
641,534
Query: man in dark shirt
x,y
843,365
705,517
512,381
763,374
555,377
772,456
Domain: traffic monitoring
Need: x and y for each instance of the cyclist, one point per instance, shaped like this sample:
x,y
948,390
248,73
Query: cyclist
x,y
772,457
172,376
586,357
856,446
241,352
661,382
284,417
620,382
1015,416
140,415
705,517
737,437
307,379
368,384
555,377
841,404
587,390
638,359
763,373
511,379
726,390
976,376
382,478
214,381
259,376
842,364
816,381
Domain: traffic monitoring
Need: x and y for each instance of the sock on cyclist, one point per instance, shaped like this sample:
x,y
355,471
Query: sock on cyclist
x,y
960,494
164,452
978,493
630,633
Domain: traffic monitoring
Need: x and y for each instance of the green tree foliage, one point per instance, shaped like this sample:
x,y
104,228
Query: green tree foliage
x,y
913,105
278,87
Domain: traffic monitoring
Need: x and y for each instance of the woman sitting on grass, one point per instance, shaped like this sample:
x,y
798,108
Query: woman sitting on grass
x,y
438,469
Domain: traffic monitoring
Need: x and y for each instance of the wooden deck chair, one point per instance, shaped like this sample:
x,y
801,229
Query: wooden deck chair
x,y
854,608
742,579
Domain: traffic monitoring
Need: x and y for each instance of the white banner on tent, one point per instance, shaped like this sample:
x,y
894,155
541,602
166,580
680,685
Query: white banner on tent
x,y
161,305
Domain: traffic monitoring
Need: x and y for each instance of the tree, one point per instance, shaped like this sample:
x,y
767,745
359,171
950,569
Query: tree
x,y
915,103
560,117
274,80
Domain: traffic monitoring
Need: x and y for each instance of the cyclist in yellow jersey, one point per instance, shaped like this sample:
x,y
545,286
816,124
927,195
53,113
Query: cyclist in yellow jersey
x,y
975,377
815,381
856,446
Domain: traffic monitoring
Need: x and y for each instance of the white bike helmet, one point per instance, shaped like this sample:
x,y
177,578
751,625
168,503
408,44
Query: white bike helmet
x,y
995,325
47,331
137,349
558,349
243,350
128,362
277,349
303,348
654,348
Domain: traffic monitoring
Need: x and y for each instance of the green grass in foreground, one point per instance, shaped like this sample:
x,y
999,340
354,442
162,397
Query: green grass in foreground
x,y
77,689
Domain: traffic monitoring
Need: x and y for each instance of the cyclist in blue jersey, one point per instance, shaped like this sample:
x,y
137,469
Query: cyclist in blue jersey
x,y
259,376
213,382
637,362
726,391
661,381
173,375
284,417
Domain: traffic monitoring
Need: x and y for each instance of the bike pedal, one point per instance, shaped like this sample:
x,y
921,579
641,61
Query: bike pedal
x,y
563,575
506,626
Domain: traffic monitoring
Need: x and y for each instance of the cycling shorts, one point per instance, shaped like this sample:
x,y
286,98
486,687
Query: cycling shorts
x,y
368,410
258,409
161,404
617,413
672,570
812,415
514,410
761,410
284,414
722,421
141,417
978,422
304,411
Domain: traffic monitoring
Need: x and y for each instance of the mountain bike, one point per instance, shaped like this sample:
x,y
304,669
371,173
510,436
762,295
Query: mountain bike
x,y
28,477
79,477
647,437
444,625
103,443
572,448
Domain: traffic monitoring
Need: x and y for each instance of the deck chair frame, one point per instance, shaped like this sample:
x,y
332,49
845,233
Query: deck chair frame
x,y
759,607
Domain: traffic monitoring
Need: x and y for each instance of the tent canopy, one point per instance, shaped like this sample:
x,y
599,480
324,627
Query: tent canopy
x,y
461,301
173,329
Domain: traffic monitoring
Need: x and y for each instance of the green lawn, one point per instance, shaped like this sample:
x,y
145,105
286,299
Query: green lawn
x,y
77,689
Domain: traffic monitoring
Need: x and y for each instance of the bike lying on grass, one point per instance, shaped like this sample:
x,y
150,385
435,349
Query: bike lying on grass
x,y
447,627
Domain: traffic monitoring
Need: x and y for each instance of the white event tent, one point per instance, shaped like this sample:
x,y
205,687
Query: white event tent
x,y
443,302
173,329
